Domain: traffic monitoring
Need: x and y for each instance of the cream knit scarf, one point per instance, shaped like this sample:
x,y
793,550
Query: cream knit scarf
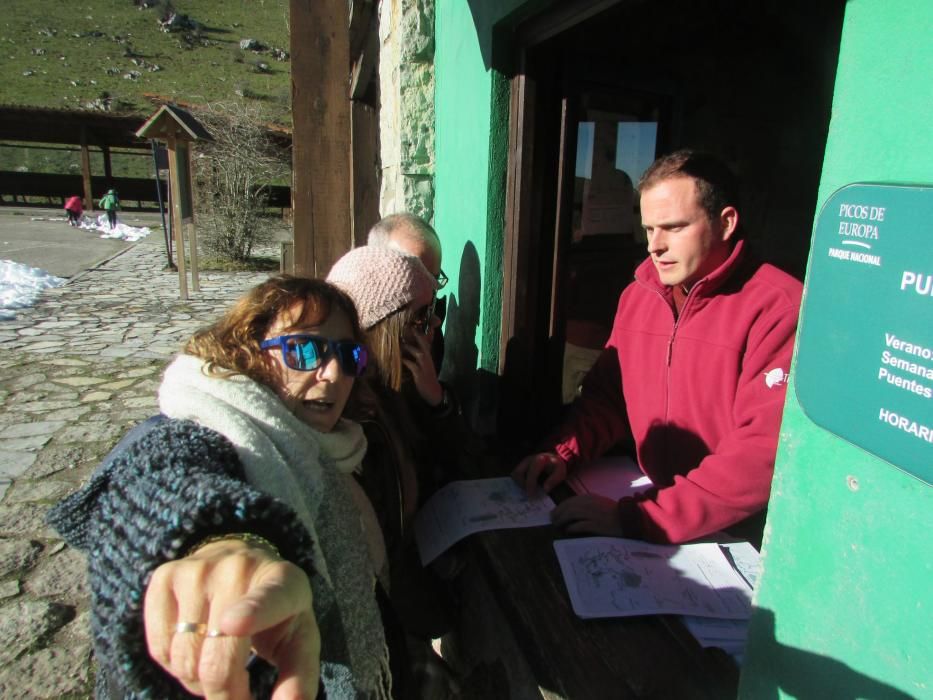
x,y
310,471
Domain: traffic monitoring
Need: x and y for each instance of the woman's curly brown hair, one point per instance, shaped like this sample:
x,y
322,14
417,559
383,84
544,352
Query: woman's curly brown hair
x,y
231,345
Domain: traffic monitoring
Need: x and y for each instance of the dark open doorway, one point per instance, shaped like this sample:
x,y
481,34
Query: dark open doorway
x,y
597,94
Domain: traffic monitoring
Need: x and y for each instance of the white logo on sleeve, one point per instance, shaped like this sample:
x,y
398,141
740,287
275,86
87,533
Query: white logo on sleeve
x,y
775,377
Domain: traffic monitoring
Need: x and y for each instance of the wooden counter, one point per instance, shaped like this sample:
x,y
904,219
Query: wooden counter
x,y
565,656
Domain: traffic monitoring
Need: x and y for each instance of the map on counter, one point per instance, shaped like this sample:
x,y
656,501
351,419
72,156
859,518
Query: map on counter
x,y
464,507
745,559
728,635
616,577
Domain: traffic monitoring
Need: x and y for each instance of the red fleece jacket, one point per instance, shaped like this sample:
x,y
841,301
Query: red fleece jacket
x,y
702,395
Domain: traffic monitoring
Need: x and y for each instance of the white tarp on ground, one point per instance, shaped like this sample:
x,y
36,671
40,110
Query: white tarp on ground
x,y
100,224
20,286
127,233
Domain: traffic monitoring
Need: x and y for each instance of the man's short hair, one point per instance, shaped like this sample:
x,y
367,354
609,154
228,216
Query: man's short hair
x,y
717,186
381,232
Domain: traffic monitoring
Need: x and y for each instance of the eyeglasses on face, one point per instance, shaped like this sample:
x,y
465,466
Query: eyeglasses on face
x,y
440,308
424,317
442,280
306,353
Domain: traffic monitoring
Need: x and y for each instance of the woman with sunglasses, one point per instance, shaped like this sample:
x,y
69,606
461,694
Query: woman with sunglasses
x,y
230,537
415,430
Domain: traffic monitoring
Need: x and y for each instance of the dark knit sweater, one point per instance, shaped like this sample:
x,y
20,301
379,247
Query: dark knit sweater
x,y
148,503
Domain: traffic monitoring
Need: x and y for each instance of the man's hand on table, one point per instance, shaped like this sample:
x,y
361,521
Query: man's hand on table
x,y
596,515
530,471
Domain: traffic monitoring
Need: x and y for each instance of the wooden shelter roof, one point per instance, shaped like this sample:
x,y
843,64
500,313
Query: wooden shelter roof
x,y
171,120
280,134
48,125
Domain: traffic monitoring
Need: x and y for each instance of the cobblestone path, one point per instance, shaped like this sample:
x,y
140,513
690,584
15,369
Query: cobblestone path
x,y
76,371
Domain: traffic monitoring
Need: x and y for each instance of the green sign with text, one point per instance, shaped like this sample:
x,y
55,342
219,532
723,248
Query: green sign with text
x,y
864,367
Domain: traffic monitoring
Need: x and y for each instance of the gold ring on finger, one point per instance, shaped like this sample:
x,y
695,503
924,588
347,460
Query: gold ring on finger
x,y
189,627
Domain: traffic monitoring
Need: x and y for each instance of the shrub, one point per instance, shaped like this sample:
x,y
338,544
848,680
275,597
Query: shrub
x,y
232,176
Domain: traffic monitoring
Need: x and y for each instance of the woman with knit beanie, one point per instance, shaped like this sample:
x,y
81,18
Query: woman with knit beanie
x,y
230,548
416,432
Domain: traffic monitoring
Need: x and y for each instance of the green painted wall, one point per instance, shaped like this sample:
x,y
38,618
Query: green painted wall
x,y
844,603
471,107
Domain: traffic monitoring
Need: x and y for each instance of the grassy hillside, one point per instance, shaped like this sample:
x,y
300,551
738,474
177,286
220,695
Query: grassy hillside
x,y
66,54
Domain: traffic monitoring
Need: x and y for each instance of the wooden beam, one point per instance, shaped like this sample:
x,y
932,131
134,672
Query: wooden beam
x,y
563,224
86,172
108,168
364,120
178,226
364,50
362,13
365,165
192,229
517,254
320,51
559,19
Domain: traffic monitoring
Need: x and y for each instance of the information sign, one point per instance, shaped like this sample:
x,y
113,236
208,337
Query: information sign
x,y
864,367
183,171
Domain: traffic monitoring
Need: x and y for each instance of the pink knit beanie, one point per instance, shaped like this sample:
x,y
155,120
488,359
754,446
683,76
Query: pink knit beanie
x,y
380,281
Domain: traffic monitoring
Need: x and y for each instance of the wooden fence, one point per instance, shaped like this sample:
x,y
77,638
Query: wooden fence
x,y
136,193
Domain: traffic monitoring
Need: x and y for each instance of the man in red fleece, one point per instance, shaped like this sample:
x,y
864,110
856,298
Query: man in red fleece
x,y
694,371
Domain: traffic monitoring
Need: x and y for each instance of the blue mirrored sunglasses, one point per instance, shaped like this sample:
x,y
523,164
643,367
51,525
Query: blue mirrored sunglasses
x,y
308,352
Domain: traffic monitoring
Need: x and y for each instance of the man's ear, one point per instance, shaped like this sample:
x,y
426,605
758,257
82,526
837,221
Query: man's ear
x,y
729,221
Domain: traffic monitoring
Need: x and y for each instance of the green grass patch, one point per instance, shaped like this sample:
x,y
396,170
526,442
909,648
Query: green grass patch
x,y
257,263
66,55
56,159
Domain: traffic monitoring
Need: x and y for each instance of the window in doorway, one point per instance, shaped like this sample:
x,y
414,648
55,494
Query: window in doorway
x,y
612,153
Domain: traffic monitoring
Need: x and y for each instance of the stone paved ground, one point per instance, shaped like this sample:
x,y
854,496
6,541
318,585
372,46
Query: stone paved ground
x,y
76,371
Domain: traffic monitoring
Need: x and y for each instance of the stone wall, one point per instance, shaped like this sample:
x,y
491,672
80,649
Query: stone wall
x,y
406,111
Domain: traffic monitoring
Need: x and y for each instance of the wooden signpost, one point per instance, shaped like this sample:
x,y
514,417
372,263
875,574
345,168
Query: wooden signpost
x,y
177,128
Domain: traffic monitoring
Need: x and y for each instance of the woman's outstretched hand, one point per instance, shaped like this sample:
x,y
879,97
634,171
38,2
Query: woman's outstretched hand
x,y
205,612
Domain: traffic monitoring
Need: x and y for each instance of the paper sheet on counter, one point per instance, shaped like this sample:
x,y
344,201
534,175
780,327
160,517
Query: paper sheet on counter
x,y
617,577
464,507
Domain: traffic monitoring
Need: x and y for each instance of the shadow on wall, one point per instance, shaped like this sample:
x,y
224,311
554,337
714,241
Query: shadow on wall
x,y
461,354
799,673
477,389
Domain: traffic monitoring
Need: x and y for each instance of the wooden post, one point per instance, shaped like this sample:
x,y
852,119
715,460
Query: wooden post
x,y
517,253
178,226
364,120
320,54
365,182
192,231
179,130
86,172
108,169
193,247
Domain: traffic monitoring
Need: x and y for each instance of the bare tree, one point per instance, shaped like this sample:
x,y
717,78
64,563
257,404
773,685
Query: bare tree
x,y
233,175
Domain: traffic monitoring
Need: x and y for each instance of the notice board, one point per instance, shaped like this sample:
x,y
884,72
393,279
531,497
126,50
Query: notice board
x,y
865,348
183,173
